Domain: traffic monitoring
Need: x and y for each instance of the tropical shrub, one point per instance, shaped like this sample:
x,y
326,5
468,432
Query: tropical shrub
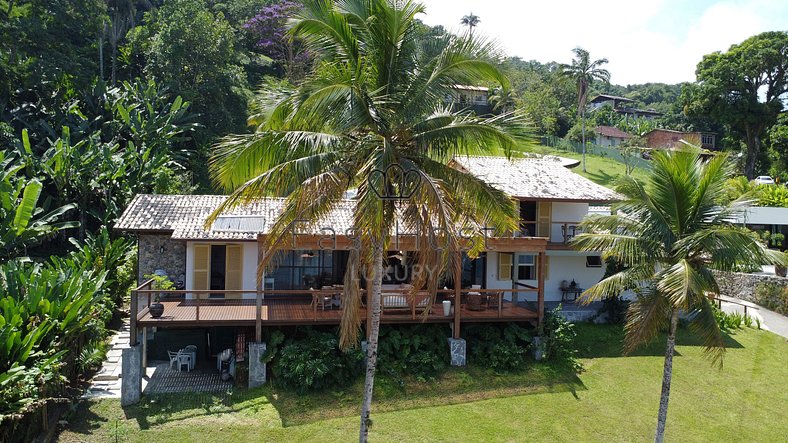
x,y
417,350
48,314
315,362
773,296
99,252
559,340
615,308
773,195
500,347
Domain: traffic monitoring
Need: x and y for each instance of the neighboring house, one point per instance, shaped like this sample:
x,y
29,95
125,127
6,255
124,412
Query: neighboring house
x,y
612,100
767,218
619,105
669,139
475,98
222,296
610,136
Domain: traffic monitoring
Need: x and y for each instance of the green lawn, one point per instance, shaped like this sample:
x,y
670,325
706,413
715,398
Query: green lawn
x,y
615,399
602,170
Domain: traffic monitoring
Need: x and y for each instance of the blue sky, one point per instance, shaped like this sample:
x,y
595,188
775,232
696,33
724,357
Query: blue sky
x,y
645,41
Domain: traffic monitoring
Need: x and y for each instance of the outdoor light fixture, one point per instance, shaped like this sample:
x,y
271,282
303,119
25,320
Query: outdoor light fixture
x,y
308,254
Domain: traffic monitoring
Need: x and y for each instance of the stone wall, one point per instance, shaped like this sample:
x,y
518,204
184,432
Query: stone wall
x,y
742,286
161,252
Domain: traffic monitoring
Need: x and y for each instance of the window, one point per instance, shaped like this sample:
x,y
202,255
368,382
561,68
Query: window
x,y
308,269
528,218
505,265
526,267
593,261
218,267
707,139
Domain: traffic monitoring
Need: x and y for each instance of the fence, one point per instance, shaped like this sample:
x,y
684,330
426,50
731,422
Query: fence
x,y
594,149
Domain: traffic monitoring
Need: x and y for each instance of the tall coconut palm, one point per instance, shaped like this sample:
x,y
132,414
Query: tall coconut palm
x,y
669,236
375,99
585,72
471,21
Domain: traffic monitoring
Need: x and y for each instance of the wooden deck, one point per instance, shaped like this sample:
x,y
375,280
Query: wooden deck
x,y
184,313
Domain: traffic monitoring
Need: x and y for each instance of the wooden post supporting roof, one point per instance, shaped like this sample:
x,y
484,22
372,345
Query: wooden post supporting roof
x,y
540,293
457,294
258,302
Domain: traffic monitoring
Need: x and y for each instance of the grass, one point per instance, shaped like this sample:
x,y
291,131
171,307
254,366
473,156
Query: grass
x,y
615,399
601,170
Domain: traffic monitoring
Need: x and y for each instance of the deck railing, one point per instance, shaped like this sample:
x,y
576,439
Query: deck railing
x,y
398,304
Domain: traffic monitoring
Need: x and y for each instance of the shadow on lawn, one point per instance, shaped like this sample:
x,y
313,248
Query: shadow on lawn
x,y
454,386
607,341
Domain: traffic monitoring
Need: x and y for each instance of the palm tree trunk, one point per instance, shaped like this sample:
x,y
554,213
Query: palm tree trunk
x,y
667,374
373,303
583,131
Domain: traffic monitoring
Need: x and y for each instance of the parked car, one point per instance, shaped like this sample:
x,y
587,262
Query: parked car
x,y
763,180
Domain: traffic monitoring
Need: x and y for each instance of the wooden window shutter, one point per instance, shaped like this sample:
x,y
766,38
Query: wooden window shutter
x,y
546,264
234,268
202,267
505,260
544,219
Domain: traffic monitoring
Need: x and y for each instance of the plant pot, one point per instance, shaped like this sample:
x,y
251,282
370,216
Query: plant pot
x,y
446,308
780,270
156,309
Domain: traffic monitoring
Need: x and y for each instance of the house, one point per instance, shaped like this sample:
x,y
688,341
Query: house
x,y
612,100
669,139
618,104
475,98
610,136
221,301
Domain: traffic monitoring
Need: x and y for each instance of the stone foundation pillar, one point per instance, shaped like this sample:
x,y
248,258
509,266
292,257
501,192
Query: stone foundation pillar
x,y
256,368
457,350
131,375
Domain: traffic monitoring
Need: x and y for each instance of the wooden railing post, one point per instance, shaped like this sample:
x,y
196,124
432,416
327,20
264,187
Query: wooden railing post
x,y
412,301
540,293
457,294
500,303
197,307
133,323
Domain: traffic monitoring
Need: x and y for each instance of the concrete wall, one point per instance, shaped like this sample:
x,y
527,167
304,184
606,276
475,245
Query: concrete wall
x,y
161,252
249,273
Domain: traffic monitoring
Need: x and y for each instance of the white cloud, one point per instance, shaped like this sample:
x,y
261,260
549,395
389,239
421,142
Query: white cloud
x,y
644,41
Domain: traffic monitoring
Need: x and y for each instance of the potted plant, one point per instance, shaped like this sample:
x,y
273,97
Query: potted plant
x,y
163,283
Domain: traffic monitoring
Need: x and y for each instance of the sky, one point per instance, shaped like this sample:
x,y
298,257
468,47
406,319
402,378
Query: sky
x,y
644,41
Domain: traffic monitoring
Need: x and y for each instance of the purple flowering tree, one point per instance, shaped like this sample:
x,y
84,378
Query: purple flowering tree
x,y
269,29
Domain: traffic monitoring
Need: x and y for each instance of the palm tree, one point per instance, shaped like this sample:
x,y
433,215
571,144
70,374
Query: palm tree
x,y
585,72
376,99
471,21
669,236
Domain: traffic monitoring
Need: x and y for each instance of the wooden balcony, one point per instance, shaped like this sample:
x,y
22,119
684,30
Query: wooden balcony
x,y
189,309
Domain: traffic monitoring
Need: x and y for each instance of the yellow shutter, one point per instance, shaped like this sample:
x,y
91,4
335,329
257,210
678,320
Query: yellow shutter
x,y
202,267
505,265
233,268
544,219
546,264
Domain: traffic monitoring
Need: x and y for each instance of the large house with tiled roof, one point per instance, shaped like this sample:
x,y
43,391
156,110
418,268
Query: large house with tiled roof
x,y
218,287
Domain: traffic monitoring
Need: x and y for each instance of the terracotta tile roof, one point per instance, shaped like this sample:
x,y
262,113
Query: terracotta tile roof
x,y
610,131
536,177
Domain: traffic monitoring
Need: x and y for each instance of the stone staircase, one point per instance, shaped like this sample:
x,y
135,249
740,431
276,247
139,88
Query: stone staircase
x,y
106,382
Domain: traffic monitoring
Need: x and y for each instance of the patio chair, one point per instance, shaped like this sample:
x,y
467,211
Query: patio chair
x,y
191,351
494,300
180,358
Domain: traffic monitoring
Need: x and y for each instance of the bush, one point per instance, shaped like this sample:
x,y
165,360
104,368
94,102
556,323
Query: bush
x,y
315,362
615,308
773,195
419,350
500,347
772,296
559,340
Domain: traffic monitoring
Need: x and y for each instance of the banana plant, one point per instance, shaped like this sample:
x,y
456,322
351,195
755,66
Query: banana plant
x,y
22,220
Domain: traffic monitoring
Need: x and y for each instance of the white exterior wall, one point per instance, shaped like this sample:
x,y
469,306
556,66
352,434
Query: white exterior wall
x,y
758,215
562,265
568,265
249,273
563,213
